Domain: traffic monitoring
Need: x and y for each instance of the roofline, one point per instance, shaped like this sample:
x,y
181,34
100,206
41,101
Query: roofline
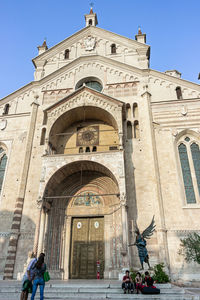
x,y
81,30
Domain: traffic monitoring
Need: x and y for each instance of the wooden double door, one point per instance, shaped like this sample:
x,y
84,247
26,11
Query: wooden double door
x,y
87,247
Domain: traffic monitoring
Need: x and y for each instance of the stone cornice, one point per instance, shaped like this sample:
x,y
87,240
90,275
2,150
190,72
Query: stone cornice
x,y
175,80
176,101
15,115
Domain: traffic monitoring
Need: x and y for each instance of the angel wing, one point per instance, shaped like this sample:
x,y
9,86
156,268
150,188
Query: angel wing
x,y
148,232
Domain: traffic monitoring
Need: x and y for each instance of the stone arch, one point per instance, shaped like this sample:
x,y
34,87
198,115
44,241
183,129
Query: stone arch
x,y
190,132
58,177
82,116
96,194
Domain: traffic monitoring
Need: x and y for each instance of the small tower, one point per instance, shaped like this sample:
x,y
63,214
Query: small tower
x,y
91,18
140,37
42,48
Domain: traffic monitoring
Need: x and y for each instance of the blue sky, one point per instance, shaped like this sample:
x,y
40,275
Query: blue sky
x,y
172,29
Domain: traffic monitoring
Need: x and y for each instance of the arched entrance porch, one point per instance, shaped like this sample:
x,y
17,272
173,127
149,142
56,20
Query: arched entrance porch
x,y
83,222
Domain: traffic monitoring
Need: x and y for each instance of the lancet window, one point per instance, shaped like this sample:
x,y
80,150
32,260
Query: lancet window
x,y
113,49
3,161
189,155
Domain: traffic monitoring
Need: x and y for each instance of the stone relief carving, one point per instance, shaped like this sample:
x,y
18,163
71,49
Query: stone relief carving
x,y
89,43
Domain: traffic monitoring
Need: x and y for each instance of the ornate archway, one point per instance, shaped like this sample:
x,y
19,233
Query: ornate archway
x,y
86,191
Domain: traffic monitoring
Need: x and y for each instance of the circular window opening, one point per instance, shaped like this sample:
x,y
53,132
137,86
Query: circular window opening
x,y
91,83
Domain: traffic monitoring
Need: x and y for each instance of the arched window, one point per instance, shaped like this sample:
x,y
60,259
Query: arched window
x,y
91,82
129,131
81,150
66,54
128,111
135,110
3,161
42,140
179,93
113,49
87,149
90,21
94,149
44,118
6,109
189,155
136,130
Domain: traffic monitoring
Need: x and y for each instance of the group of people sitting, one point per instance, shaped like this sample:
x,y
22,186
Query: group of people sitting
x,y
140,285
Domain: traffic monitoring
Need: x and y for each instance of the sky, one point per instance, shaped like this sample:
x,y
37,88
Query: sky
x,y
172,28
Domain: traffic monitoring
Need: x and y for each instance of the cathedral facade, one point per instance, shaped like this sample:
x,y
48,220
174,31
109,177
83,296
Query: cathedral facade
x,y
96,145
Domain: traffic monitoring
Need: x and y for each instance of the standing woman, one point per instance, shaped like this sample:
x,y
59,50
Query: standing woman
x,y
40,268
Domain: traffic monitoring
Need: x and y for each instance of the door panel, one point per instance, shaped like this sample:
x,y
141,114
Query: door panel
x,y
87,247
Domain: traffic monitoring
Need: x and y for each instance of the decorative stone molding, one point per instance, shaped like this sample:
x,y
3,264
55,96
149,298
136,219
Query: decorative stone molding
x,y
5,234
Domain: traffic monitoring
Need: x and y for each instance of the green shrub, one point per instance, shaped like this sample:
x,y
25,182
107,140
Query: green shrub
x,y
132,274
191,247
159,274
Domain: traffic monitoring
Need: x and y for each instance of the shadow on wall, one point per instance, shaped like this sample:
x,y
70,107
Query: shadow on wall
x,y
25,242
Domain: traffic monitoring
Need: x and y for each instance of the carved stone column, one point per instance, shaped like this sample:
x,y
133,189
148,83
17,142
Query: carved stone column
x,y
67,247
41,231
121,140
124,221
37,229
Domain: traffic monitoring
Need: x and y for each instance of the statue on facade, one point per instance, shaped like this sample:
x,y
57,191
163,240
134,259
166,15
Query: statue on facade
x,y
140,242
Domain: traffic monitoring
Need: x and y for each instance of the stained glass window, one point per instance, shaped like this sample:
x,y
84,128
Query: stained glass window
x,y
196,161
187,139
2,168
94,85
186,172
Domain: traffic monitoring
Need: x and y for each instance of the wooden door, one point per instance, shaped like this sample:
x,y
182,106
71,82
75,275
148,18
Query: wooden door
x,y
87,247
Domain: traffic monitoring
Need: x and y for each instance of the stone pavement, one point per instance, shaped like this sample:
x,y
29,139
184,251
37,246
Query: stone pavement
x,y
96,290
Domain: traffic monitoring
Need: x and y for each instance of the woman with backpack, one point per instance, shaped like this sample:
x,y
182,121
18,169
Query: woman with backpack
x,y
28,276
40,268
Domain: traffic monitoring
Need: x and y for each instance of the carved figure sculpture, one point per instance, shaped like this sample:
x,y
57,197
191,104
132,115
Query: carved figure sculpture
x,y
140,242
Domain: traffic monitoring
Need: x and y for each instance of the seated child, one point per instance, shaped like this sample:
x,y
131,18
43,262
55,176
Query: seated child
x,y
127,283
138,282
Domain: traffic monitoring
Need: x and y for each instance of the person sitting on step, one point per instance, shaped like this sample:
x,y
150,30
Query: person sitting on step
x,y
138,282
149,288
127,284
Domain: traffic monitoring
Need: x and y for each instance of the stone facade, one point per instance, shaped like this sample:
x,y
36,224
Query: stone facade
x,y
128,154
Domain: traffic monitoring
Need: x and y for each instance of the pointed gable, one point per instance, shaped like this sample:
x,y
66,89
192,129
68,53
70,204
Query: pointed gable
x,y
92,40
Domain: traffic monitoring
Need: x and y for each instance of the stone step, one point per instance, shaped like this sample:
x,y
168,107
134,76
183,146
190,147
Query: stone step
x,y
96,290
56,296
92,290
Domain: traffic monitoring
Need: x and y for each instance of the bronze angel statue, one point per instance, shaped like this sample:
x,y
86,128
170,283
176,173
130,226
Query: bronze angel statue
x,y
140,242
